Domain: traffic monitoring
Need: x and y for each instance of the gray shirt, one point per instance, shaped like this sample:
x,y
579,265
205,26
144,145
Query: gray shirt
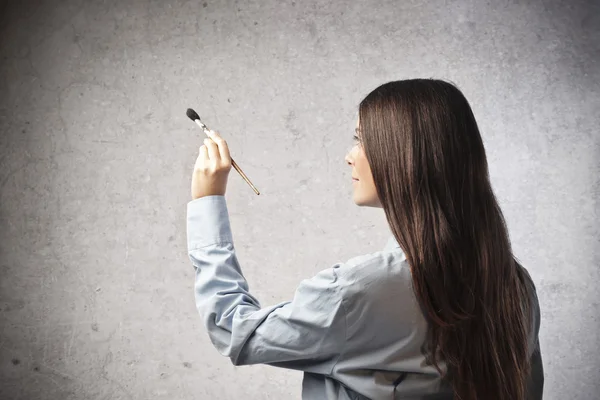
x,y
355,329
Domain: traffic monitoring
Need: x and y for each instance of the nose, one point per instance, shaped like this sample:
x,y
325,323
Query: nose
x,y
347,158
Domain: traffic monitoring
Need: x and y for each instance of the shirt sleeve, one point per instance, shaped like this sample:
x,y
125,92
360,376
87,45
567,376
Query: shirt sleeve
x,y
307,333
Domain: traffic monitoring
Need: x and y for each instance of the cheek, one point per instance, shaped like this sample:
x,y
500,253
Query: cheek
x,y
361,161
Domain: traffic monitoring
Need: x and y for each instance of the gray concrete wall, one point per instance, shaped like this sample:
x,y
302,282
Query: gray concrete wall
x,y
96,155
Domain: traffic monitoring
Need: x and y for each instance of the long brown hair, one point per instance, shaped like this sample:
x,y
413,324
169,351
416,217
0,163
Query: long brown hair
x,y
430,170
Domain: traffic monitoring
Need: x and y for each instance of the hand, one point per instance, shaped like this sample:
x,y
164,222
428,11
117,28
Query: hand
x,y
212,168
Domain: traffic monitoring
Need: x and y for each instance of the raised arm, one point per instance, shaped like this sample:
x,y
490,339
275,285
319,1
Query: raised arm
x,y
306,333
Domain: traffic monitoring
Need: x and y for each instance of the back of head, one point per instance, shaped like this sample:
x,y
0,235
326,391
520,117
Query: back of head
x,y
430,170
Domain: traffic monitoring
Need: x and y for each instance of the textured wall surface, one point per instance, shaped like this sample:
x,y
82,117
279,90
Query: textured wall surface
x,y
96,156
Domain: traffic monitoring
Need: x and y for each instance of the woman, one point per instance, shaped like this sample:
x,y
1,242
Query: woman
x,y
446,280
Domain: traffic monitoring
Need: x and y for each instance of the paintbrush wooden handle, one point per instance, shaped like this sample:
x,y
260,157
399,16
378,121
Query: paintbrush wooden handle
x,y
238,169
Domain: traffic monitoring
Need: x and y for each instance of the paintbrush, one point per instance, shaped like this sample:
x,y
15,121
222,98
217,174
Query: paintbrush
x,y
193,115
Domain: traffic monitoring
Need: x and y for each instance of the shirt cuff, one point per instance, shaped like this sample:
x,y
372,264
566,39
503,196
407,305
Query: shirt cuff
x,y
207,222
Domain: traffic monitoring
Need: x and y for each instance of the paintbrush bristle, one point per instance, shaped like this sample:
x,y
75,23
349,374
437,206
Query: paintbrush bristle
x,y
193,115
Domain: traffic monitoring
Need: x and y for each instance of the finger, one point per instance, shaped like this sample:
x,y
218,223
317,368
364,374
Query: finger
x,y
213,150
203,154
200,160
223,147
211,134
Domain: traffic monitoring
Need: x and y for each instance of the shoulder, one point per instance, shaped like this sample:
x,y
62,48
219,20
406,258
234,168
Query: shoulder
x,y
378,299
373,268
376,274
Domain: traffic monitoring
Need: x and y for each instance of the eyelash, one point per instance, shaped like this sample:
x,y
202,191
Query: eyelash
x,y
356,138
